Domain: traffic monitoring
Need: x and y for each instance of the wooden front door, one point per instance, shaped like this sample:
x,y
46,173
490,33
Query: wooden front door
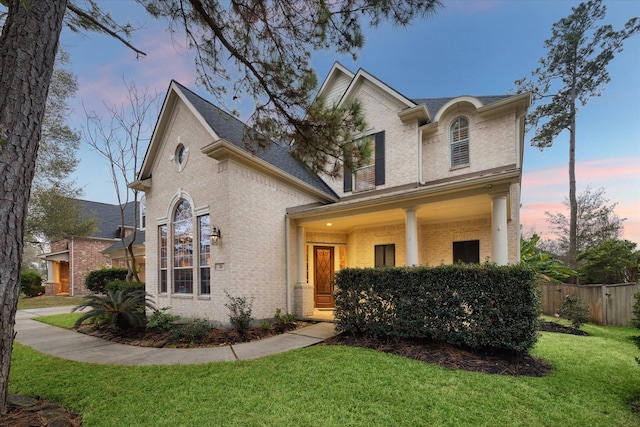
x,y
64,278
323,276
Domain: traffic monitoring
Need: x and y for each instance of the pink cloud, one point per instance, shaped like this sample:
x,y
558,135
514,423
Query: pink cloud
x,y
544,190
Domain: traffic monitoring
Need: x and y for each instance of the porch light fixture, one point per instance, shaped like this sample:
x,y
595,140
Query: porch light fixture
x,y
215,235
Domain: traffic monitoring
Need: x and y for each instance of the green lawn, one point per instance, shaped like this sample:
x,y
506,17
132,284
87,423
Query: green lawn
x,y
594,378
46,301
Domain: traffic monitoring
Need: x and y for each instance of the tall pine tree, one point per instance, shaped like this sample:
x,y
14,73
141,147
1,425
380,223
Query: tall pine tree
x,y
574,71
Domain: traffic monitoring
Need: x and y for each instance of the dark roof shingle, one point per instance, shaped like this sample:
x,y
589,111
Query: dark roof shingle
x,y
233,130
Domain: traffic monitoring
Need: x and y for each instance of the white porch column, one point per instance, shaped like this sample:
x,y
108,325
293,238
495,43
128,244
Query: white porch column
x,y
303,292
411,232
499,241
50,271
300,259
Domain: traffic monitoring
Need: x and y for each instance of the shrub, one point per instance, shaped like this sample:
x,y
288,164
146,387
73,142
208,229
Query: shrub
x,y
574,310
283,319
161,321
124,309
194,331
96,281
31,283
636,320
479,306
609,262
239,312
266,325
120,284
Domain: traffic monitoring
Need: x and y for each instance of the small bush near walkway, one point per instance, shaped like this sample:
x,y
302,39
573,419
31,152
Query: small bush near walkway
x,y
97,280
31,283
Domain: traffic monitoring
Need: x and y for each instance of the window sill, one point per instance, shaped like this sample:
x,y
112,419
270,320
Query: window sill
x,y
204,297
468,165
182,296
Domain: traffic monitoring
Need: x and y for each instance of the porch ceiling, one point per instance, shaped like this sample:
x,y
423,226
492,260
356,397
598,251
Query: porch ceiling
x,y
477,206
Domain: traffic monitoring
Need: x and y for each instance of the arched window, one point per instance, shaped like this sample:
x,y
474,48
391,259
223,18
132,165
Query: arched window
x,y
459,137
183,248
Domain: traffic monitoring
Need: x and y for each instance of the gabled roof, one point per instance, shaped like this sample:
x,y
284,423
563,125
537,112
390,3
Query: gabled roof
x,y
225,126
139,241
415,108
108,218
435,104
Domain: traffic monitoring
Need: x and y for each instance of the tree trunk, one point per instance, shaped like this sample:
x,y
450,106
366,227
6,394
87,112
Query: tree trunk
x,y
573,202
28,48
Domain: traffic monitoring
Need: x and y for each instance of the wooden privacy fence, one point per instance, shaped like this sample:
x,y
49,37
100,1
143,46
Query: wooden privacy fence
x,y
609,305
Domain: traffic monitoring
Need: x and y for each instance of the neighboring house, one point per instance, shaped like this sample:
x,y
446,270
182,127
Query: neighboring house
x,y
69,260
442,186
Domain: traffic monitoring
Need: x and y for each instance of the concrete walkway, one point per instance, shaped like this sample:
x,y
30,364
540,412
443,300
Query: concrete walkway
x,y
84,348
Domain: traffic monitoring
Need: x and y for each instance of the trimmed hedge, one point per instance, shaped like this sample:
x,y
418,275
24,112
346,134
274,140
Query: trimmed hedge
x,y
96,281
125,286
31,283
486,306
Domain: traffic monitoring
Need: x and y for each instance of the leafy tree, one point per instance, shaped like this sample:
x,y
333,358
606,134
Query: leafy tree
x,y
609,262
595,221
120,142
263,46
547,267
55,214
56,161
574,70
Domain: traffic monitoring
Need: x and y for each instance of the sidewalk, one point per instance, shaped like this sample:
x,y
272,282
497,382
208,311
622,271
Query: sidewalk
x,y
84,348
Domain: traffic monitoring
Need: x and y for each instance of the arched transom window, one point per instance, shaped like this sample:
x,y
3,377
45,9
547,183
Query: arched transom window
x,y
183,248
185,252
459,137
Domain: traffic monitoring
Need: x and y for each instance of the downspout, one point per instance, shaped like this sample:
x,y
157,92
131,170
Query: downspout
x,y
520,154
73,269
420,173
287,224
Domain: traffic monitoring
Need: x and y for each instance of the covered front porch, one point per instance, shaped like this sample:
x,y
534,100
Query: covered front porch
x,y
58,273
415,226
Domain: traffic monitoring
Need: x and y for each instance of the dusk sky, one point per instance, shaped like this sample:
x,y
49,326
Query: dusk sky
x,y
468,48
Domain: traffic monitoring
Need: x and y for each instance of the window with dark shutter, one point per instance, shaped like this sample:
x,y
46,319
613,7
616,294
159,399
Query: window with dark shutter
x,y
373,172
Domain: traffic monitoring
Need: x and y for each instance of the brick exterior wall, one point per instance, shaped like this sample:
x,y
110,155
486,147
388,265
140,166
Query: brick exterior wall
x,y
401,140
85,256
248,206
492,143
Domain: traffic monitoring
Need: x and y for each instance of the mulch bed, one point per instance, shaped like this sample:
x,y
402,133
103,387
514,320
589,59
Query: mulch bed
x,y
41,413
449,356
144,337
561,329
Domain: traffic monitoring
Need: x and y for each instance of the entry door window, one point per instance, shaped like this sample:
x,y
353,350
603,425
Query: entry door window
x,y
467,251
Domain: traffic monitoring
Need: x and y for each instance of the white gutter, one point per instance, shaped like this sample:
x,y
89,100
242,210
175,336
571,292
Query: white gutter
x,y
420,173
287,224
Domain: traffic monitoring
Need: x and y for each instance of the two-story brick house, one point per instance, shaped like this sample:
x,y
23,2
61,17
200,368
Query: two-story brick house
x,y
443,185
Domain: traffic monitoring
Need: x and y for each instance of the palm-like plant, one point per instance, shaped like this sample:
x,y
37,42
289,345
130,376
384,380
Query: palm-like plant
x,y
122,308
547,267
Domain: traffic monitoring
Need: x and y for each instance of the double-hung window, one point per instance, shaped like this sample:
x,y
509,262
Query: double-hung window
x,y
365,176
204,231
371,174
459,137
